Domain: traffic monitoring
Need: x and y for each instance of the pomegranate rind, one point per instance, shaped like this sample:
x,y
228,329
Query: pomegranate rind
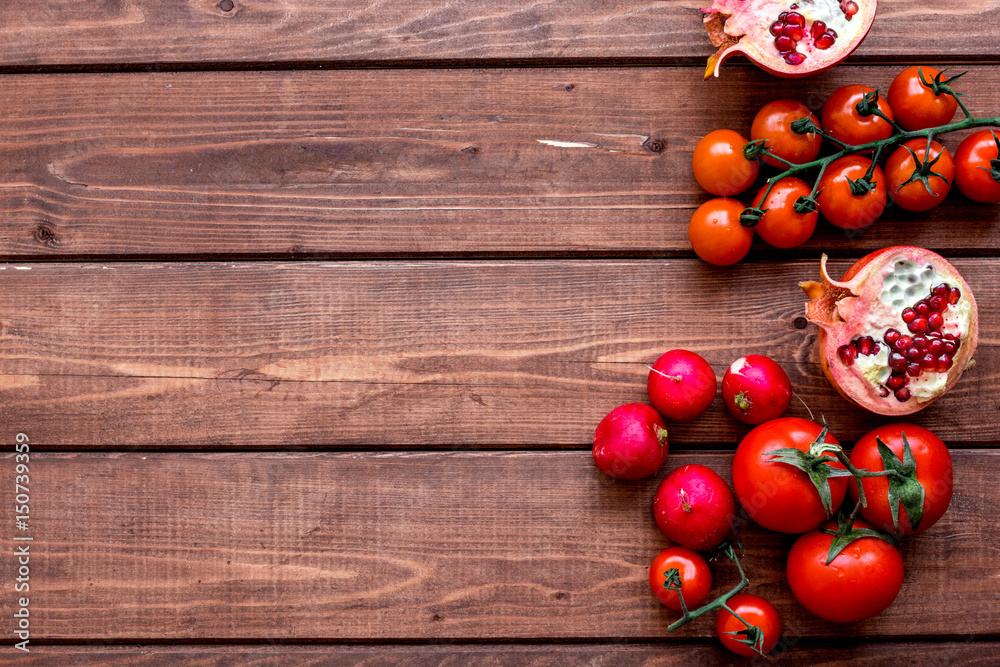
x,y
837,306
729,22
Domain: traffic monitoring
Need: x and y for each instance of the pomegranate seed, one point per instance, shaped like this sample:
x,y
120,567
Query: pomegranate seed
x,y
776,28
922,307
928,362
919,342
918,325
940,290
825,41
936,347
943,364
903,394
902,343
954,295
784,43
913,353
883,392
938,304
796,18
950,336
891,336
865,345
950,348
794,58
895,382
913,370
832,33
897,362
878,348
847,354
935,321
850,9
817,29
793,31
908,315
782,16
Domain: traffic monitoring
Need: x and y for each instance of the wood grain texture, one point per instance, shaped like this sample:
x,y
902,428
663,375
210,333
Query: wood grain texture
x,y
592,162
843,653
64,32
434,353
427,546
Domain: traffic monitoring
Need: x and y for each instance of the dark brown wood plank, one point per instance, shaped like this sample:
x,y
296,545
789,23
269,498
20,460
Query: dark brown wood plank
x,y
429,546
63,32
415,162
474,655
437,353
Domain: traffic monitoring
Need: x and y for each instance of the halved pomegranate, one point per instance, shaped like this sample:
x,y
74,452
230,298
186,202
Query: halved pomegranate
x,y
896,331
789,38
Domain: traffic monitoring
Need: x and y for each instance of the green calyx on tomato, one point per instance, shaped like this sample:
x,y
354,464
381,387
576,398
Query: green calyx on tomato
x,y
814,464
904,487
994,170
940,86
847,532
868,105
923,169
806,205
864,185
751,636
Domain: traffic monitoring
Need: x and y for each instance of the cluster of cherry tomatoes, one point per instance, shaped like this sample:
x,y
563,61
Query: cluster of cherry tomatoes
x,y
850,191
841,572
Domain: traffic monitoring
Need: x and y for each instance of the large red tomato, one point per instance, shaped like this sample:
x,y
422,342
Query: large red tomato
x,y
778,495
861,582
931,477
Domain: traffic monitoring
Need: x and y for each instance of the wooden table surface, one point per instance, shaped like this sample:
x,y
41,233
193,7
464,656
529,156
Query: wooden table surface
x,y
310,309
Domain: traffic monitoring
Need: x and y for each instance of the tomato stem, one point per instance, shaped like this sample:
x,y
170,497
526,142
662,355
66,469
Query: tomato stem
x,y
718,603
879,145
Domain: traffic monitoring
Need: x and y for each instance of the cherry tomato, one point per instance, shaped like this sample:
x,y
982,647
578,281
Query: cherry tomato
x,y
915,196
915,105
719,165
780,225
974,164
934,473
839,205
773,123
861,582
696,578
842,121
716,234
776,495
756,611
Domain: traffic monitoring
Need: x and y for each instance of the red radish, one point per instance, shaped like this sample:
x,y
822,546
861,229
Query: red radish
x,y
694,507
630,442
681,385
756,389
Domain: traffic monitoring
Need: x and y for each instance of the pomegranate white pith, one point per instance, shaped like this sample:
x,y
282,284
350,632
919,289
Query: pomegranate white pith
x,y
785,37
897,331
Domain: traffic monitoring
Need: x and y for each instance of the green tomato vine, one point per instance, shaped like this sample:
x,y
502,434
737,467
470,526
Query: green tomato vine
x,y
867,106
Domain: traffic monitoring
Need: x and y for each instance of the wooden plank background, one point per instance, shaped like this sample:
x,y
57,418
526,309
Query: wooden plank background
x,y
400,162
65,33
443,353
310,313
425,546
